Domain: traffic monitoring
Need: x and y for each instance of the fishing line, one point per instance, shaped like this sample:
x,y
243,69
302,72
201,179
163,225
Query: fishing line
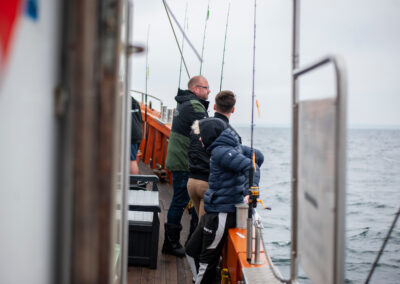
x,y
204,33
168,10
223,52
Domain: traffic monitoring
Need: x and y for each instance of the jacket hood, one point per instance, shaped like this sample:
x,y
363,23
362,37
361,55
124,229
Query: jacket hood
x,y
210,129
227,137
186,95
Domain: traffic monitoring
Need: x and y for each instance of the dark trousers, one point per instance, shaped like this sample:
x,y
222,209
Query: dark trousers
x,y
204,248
180,199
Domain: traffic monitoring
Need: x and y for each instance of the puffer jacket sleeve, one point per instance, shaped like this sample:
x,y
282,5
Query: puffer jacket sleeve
x,y
256,174
256,180
259,156
229,158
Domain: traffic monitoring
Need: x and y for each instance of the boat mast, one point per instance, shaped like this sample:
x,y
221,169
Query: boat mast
x,y
223,53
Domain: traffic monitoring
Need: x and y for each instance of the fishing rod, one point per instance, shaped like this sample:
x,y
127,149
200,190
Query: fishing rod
x,y
185,25
223,52
204,34
254,190
168,11
176,39
382,247
146,133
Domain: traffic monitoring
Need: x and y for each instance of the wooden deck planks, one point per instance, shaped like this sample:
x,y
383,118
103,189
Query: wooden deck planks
x,y
134,274
170,269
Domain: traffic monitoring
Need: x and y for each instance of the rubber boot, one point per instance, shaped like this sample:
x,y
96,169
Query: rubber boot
x,y
171,240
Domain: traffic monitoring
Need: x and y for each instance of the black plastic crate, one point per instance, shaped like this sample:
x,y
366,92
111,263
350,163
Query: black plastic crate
x,y
144,225
143,242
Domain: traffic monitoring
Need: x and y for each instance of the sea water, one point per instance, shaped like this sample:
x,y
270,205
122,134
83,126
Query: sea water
x,y
372,200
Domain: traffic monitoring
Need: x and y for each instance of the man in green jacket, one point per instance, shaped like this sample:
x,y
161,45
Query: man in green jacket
x,y
192,105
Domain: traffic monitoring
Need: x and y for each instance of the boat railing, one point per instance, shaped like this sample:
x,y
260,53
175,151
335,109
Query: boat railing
x,y
148,95
166,114
156,131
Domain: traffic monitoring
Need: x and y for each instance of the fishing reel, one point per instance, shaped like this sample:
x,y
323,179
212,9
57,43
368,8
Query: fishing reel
x,y
254,198
254,190
254,195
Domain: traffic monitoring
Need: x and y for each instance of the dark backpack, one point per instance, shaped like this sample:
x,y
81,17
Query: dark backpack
x,y
136,123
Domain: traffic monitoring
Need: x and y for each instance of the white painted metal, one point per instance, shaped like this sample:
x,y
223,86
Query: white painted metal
x,y
322,179
316,191
28,149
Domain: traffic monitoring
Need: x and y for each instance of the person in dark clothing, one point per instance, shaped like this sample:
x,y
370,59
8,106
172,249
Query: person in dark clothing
x,y
199,160
228,185
192,105
136,135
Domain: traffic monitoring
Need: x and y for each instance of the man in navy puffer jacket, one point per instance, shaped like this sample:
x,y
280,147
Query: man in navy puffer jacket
x,y
228,185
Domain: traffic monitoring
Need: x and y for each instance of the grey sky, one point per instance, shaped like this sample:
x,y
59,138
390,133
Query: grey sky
x,y
365,33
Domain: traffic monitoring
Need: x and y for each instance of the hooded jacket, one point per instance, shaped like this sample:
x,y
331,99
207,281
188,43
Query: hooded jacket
x,y
198,158
189,108
229,169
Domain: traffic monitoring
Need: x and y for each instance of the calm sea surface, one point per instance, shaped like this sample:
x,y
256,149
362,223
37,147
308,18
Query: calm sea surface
x,y
372,199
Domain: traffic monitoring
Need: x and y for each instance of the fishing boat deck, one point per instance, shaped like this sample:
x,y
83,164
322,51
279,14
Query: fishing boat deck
x,y
170,269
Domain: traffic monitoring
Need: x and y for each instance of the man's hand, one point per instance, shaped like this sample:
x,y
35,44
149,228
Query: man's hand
x,y
246,199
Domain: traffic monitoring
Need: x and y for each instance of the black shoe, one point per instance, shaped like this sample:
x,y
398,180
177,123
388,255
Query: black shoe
x,y
171,240
173,249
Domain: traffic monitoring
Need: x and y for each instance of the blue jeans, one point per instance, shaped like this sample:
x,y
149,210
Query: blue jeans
x,y
180,199
134,150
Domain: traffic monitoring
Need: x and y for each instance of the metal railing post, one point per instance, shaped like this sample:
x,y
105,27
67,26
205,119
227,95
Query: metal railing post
x,y
295,112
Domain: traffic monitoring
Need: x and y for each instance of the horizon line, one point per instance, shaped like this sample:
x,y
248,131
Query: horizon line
x,y
350,126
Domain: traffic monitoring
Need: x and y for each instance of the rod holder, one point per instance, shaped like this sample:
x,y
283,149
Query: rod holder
x,y
257,259
249,250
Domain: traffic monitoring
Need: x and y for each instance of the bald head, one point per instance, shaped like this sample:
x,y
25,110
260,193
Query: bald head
x,y
199,86
196,80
